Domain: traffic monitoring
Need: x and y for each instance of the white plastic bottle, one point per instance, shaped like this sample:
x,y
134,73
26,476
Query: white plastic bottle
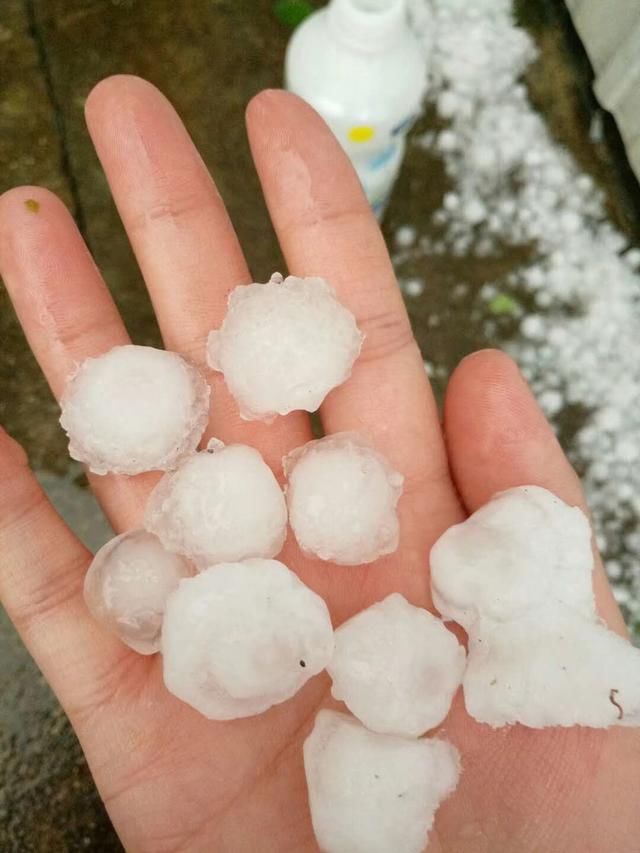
x,y
358,63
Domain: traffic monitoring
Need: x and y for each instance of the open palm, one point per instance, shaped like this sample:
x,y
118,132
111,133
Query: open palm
x,y
172,780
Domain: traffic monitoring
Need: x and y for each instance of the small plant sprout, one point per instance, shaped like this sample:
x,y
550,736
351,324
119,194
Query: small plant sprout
x,y
342,497
396,667
222,504
127,585
241,637
517,576
284,345
374,793
134,409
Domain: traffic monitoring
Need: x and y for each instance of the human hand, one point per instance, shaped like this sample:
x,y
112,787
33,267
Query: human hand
x,y
172,780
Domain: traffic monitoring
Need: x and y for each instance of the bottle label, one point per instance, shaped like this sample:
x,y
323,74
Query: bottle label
x,y
376,151
371,136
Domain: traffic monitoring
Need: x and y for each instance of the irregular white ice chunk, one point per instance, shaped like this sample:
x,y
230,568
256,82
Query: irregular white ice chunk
x,y
222,504
127,584
284,345
405,236
134,409
413,287
534,327
551,401
342,497
374,793
517,576
396,667
241,637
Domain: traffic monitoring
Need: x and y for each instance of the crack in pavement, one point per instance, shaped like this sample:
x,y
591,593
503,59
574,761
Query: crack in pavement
x,y
66,167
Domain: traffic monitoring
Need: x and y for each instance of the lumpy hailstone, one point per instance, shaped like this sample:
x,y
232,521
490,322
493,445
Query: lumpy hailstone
x,y
342,497
241,637
396,667
517,576
134,409
284,345
374,793
127,585
222,504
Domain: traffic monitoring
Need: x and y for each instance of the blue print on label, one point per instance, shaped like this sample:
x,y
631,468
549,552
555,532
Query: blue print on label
x,y
380,204
382,158
404,126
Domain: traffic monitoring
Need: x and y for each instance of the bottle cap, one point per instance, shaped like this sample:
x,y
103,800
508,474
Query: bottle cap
x,y
368,25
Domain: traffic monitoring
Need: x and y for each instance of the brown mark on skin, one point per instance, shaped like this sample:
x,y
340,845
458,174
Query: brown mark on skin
x,y
612,698
32,205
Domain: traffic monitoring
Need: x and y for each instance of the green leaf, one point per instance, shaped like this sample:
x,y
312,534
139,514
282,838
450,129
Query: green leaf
x,y
502,303
292,12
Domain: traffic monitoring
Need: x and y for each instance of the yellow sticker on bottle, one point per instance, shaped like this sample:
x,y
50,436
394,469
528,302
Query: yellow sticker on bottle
x,y
361,133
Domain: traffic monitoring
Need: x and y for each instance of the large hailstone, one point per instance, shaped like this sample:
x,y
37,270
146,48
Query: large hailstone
x,y
517,576
342,497
396,667
127,585
222,504
374,793
134,409
241,637
284,345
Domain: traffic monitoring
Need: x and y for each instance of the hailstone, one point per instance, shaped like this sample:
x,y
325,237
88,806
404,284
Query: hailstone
x,y
221,504
241,637
127,584
284,345
374,793
134,409
396,667
342,497
517,576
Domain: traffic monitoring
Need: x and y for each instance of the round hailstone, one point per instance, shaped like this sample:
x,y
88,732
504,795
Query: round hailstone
x,y
396,667
284,345
134,409
517,576
342,497
222,504
374,793
127,585
241,637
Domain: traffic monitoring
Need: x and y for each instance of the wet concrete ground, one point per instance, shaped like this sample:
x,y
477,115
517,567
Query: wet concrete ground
x,y
209,57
